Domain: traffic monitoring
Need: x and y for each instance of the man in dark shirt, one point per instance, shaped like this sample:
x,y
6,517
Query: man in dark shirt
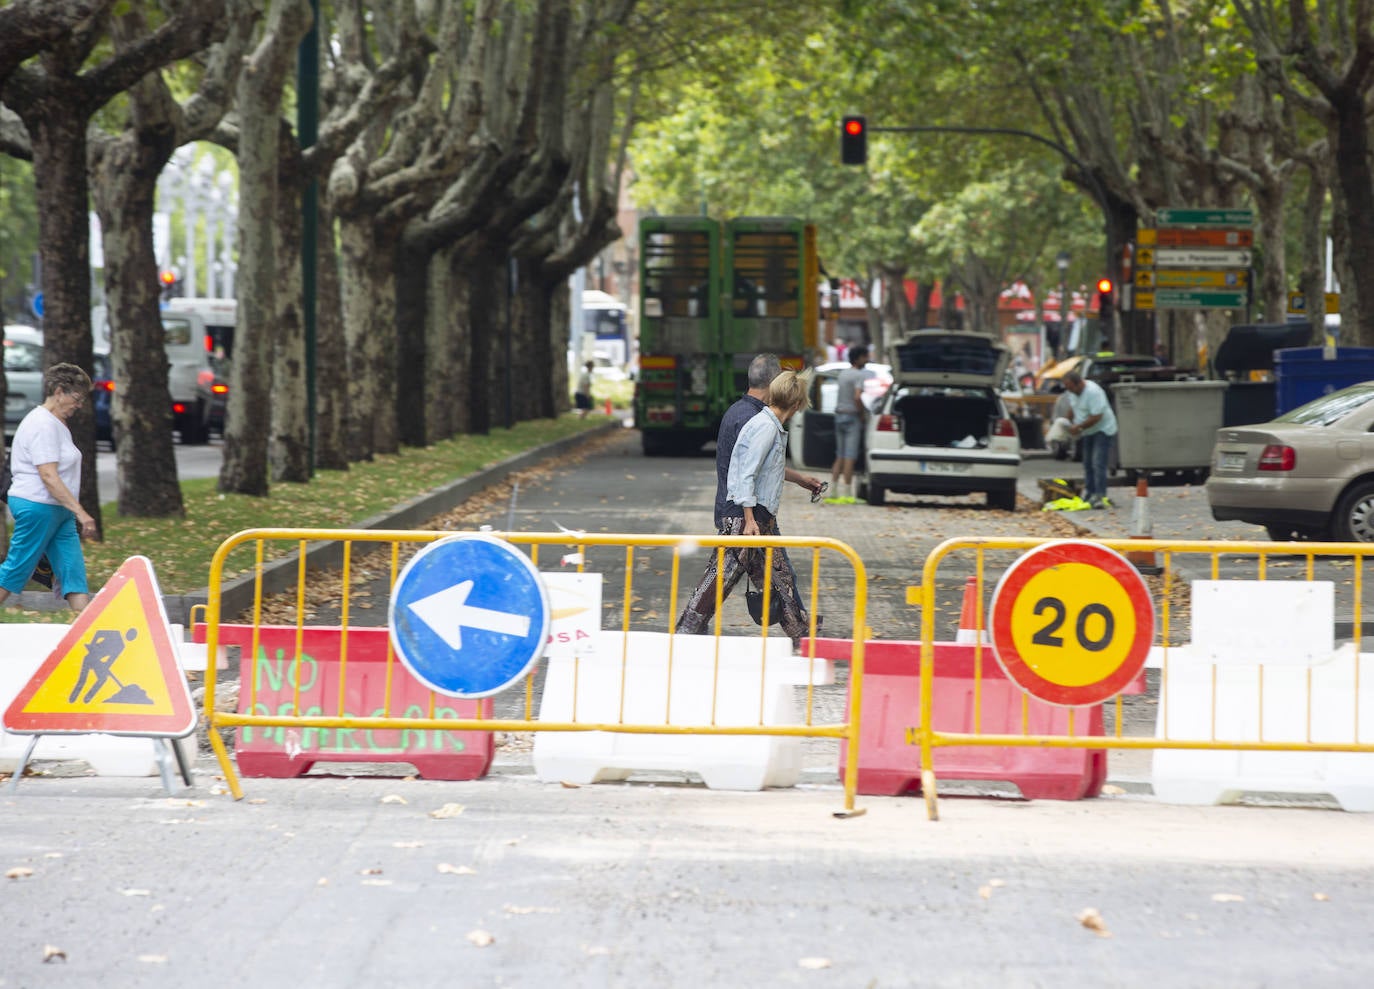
x,y
762,370
730,516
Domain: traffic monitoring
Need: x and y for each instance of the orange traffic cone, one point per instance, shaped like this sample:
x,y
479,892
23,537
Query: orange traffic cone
x,y
608,406
970,626
1142,528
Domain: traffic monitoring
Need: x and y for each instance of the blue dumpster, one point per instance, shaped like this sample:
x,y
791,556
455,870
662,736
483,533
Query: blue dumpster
x,y
1302,374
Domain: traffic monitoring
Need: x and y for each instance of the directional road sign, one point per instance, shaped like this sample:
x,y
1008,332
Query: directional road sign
x,y
1175,217
1072,622
1217,237
1177,298
469,615
1191,278
1197,257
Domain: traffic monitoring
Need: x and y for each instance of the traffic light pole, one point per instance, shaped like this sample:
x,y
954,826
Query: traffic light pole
x,y
1069,156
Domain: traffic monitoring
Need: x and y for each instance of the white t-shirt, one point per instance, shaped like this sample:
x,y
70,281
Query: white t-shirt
x,y
42,438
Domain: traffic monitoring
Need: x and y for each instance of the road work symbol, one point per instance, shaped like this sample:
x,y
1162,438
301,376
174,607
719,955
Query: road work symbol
x,y
116,669
101,652
469,615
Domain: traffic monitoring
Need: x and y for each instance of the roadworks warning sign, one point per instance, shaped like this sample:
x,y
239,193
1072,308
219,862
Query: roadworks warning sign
x,y
115,670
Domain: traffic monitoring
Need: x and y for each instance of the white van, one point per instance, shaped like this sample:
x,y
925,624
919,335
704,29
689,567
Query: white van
x,y
199,336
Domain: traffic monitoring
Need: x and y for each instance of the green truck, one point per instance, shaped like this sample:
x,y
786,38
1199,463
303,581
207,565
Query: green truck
x,y
712,295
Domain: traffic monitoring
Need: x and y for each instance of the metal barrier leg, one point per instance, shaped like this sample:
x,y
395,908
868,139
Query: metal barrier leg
x,y
181,761
222,754
24,761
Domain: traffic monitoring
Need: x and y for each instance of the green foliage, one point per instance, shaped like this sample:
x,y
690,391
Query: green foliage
x,y
18,234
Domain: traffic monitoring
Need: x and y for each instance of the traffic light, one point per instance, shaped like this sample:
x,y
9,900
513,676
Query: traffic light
x,y
853,140
1106,299
169,279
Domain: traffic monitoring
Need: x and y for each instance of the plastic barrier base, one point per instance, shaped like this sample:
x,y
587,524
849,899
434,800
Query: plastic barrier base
x,y
1196,703
588,689
288,752
889,766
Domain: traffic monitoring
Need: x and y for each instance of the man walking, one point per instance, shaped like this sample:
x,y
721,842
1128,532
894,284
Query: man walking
x,y
1094,423
850,413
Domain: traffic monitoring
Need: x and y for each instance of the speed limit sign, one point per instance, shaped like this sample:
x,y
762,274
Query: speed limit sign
x,y
1072,622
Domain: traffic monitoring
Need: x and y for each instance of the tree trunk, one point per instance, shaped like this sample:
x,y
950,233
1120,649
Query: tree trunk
x,y
412,317
1351,151
289,451
1312,276
447,336
486,298
360,333
541,348
57,127
259,103
331,355
126,183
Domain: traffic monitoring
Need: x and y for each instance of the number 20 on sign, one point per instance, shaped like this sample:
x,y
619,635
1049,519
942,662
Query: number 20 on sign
x,y
1072,623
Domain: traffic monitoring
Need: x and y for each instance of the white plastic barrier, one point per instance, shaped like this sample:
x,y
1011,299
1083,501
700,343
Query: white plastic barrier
x,y
25,648
724,762
1266,639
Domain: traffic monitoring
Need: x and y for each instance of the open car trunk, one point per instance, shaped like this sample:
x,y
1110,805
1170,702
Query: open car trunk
x,y
945,420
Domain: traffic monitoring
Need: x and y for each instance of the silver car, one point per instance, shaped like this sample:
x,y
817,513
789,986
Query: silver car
x,y
942,428
23,374
1309,474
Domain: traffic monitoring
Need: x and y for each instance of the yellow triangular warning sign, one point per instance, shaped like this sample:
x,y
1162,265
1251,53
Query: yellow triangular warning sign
x,y
114,671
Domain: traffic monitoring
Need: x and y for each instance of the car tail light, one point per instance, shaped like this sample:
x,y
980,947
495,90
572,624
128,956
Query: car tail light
x,y
209,344
220,389
1278,457
889,423
178,407
1004,427
104,386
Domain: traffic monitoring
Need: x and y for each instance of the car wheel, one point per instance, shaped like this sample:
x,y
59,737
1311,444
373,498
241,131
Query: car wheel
x,y
1354,521
1003,501
876,494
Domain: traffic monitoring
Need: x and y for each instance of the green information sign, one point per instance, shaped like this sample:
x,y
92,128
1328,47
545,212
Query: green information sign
x,y
1171,216
1177,298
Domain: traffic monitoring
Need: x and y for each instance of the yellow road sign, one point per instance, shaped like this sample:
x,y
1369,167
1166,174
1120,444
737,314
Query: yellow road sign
x,y
1145,257
114,671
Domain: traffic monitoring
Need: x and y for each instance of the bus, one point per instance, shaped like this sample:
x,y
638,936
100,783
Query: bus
x,y
713,295
605,330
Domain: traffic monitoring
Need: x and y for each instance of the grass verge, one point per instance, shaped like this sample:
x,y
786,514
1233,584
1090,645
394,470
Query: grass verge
x,y
181,549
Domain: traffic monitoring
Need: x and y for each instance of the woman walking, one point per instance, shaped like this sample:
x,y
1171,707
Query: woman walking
x,y
48,517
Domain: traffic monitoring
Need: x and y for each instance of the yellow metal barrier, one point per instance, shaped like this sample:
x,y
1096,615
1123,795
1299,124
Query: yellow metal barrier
x,y
641,552
1182,562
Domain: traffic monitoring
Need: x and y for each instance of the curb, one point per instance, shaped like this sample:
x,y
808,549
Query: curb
x,y
237,595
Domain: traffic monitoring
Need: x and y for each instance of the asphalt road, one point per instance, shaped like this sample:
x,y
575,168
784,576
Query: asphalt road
x,y
192,462
331,881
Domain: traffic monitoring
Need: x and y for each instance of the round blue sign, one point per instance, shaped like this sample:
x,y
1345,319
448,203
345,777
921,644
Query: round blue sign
x,y
37,305
469,615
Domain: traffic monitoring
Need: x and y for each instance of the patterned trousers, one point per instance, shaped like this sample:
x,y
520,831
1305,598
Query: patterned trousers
x,y
701,606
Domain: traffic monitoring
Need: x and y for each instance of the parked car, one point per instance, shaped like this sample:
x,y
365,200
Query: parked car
x,y
942,428
102,399
1308,474
811,434
23,374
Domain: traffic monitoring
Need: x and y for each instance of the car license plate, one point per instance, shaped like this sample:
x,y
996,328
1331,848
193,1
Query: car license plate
x,y
1232,461
943,467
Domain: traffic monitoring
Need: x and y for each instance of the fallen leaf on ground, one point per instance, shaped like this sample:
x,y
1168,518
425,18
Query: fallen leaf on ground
x,y
448,810
376,882
393,798
814,963
571,786
153,959
481,938
985,892
19,872
407,844
597,949
1111,789
257,800
996,883
369,872
1227,898
1093,921
135,892
52,953
455,870
1320,896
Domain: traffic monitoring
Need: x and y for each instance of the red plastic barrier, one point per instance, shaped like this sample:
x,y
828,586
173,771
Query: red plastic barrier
x,y
287,752
889,766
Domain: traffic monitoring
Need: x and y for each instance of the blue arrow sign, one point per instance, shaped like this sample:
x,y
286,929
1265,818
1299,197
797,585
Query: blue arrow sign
x,y
469,615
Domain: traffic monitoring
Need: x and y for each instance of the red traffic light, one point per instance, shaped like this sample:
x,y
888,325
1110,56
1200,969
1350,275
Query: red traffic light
x,y
853,140
168,277
1104,285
